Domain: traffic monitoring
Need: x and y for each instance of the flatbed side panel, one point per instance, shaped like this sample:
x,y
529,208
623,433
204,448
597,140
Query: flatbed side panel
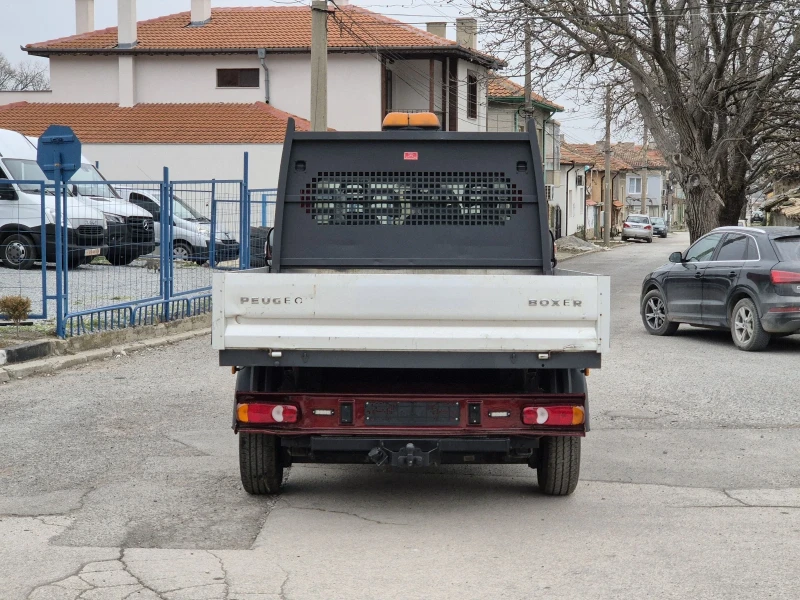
x,y
382,312
218,310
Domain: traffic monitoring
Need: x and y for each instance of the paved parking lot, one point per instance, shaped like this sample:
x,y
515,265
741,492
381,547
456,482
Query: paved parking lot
x,y
120,480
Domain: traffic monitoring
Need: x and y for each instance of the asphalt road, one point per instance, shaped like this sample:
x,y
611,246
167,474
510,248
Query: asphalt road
x,y
120,480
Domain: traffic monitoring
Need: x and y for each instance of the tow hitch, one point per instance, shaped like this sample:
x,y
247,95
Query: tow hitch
x,y
409,456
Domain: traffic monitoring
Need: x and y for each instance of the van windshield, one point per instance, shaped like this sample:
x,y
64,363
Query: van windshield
x,y
181,210
95,184
28,170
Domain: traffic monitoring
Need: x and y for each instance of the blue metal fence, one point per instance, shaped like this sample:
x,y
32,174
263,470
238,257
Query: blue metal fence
x,y
200,226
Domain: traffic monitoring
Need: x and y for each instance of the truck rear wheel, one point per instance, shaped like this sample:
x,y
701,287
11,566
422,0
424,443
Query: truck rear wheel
x,y
559,464
260,463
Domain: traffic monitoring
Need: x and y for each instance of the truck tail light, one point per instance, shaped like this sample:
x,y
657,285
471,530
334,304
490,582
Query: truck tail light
x,y
553,415
778,277
267,413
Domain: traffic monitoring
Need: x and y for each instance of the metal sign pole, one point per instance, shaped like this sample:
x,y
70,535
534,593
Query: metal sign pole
x,y
60,322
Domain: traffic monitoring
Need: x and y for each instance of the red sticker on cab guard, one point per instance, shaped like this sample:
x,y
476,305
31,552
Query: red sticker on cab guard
x,y
410,155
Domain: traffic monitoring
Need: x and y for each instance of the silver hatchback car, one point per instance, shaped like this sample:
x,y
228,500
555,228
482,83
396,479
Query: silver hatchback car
x,y
637,227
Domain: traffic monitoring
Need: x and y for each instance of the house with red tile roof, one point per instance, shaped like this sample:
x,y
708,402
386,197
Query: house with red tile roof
x,y
570,214
234,76
628,168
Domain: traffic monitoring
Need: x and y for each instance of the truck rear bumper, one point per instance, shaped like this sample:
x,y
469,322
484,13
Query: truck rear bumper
x,y
410,451
411,360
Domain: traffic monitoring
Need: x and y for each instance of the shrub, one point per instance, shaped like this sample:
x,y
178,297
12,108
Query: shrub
x,y
16,308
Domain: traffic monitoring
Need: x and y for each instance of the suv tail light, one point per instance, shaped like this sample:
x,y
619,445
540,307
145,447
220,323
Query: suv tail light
x,y
553,416
267,413
778,277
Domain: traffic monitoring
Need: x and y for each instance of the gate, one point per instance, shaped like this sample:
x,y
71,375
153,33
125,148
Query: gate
x,y
152,260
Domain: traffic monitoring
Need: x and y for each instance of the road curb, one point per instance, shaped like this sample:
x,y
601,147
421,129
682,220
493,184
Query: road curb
x,y
595,251
53,364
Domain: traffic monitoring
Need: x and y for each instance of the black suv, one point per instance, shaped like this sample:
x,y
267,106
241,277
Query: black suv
x,y
745,279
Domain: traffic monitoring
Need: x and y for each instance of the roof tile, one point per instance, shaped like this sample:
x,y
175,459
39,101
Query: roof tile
x,y
271,27
502,87
256,123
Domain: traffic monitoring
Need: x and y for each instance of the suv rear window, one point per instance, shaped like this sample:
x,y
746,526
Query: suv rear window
x,y
638,219
788,248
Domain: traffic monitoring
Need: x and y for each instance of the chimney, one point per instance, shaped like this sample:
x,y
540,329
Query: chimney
x,y
467,32
438,28
201,12
126,38
126,23
84,16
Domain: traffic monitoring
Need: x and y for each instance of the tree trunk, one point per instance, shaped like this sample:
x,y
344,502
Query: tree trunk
x,y
735,199
702,211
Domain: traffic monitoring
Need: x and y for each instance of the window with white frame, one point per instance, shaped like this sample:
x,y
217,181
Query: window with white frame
x,y
634,184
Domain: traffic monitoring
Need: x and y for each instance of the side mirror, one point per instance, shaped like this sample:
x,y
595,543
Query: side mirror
x,y
7,192
676,257
553,259
268,246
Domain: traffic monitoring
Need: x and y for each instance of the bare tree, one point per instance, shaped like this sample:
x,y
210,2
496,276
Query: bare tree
x,y
26,76
715,81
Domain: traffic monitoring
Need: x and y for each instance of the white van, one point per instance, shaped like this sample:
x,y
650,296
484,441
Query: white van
x,y
130,229
21,212
191,230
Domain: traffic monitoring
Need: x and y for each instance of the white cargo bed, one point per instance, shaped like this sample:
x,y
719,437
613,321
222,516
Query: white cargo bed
x,y
410,312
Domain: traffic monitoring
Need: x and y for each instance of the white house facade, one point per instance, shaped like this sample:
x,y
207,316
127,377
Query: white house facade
x,y
239,57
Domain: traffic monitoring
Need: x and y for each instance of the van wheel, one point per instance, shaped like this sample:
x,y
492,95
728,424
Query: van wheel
x,y
746,330
559,464
181,251
260,463
18,252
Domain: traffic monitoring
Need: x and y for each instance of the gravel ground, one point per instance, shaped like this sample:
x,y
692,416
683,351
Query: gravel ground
x,y
99,285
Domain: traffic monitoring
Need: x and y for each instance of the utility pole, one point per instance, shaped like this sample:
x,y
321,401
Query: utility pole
x,y
607,207
527,65
644,173
319,65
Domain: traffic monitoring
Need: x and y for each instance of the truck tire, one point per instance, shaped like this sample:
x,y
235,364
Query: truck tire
x,y
559,464
260,463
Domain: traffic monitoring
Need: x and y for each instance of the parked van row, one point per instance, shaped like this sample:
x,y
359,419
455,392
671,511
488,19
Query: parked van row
x,y
120,224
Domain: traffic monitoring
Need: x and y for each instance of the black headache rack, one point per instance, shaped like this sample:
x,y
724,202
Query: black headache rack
x,y
406,199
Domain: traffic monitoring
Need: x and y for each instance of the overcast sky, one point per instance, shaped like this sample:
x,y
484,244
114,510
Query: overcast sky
x,y
28,21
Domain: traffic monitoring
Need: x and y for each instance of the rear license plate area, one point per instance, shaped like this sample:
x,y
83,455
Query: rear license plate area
x,y
92,252
412,414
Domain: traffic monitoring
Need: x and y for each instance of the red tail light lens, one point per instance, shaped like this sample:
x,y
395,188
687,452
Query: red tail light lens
x,y
778,277
626,226
267,413
553,416
648,226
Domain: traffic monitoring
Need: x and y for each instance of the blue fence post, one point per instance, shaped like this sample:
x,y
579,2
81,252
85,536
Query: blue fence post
x,y
166,243
263,209
244,260
43,250
212,246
